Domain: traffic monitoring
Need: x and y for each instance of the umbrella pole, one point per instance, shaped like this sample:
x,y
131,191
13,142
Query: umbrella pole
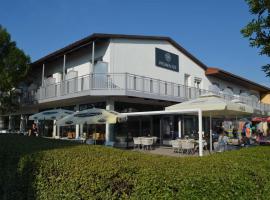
x,y
211,135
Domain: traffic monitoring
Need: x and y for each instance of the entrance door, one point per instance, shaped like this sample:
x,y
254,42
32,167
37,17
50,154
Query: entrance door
x,y
100,75
166,130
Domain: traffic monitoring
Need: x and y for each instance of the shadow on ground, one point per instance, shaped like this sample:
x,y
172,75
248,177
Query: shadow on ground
x,y
18,161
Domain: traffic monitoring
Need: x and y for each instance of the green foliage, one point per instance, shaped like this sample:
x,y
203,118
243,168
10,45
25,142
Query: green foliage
x,y
36,168
258,30
14,65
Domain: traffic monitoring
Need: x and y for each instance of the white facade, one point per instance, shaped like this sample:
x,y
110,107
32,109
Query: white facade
x,y
123,76
137,56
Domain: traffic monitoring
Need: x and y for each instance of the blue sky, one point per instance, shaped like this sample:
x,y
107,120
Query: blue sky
x,y
209,29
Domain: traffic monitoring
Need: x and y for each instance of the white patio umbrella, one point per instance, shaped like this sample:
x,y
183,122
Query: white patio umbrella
x,y
54,114
213,105
92,116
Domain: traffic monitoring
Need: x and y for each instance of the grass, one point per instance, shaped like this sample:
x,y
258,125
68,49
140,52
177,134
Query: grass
x,y
37,168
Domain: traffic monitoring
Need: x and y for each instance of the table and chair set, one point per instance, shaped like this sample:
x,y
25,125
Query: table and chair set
x,y
145,143
186,146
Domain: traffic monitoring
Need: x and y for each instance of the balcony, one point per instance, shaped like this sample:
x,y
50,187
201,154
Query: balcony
x,y
125,84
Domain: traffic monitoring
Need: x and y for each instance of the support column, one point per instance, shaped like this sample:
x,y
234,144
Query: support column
x,y
64,68
200,133
77,131
1,123
54,129
179,127
160,131
58,131
10,123
93,57
43,74
77,126
91,67
109,137
64,76
211,136
22,124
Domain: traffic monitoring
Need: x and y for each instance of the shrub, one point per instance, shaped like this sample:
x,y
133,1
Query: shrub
x,y
36,168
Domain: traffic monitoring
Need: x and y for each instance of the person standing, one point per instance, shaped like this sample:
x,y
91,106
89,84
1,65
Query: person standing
x,y
33,131
222,142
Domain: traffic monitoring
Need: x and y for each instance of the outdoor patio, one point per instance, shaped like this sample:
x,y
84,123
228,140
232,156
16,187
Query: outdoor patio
x,y
168,151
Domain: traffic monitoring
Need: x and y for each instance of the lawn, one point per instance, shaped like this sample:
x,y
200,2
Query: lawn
x,y
37,168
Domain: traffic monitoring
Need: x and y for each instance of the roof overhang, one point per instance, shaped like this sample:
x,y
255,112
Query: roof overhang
x,y
227,76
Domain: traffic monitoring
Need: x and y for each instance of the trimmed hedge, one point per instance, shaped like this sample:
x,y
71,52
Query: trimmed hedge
x,y
37,168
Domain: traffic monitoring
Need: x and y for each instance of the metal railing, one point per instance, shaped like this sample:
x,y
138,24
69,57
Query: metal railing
x,y
132,83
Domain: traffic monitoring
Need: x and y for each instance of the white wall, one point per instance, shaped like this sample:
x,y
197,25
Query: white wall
x,y
138,57
78,60
236,88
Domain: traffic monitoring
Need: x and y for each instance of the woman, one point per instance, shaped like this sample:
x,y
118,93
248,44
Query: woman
x,y
33,131
222,142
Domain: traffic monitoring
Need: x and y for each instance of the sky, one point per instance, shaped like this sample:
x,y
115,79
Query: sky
x,y
208,29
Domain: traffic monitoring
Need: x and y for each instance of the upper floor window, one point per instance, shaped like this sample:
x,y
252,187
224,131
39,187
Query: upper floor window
x,y
216,84
230,88
186,79
197,83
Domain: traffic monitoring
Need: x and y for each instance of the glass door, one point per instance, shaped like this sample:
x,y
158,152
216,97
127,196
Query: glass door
x,y
100,75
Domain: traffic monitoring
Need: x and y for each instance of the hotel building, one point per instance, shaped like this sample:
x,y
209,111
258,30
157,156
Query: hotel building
x,y
128,73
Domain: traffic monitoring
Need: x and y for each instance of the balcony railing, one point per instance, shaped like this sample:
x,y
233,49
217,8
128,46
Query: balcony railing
x,y
130,84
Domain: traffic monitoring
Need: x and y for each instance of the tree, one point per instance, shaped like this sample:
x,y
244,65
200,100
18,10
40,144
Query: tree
x,y
14,65
258,30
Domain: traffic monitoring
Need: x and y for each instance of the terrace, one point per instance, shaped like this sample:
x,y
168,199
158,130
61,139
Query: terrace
x,y
126,84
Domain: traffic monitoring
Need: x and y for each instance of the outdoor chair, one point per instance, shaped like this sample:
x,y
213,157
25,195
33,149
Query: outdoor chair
x,y
147,143
137,142
155,139
176,145
187,146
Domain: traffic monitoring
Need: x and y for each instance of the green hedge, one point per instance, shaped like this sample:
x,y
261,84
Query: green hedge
x,y
36,168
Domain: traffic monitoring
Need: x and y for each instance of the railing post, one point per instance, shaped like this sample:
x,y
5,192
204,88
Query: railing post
x,y
172,89
91,81
158,86
55,90
142,83
126,82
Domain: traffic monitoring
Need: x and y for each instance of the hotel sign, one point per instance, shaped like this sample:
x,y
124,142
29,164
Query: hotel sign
x,y
167,60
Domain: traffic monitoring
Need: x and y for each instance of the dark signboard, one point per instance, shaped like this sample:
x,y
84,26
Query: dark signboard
x,y
167,60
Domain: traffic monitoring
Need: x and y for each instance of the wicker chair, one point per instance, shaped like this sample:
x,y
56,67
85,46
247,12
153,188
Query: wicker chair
x,y
137,142
176,145
187,146
147,143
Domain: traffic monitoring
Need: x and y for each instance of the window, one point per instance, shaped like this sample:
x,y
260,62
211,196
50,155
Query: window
x,y
197,83
186,80
216,84
242,92
230,88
